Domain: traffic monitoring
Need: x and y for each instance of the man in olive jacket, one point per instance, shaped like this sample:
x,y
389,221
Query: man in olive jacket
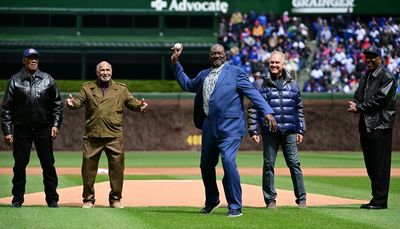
x,y
104,101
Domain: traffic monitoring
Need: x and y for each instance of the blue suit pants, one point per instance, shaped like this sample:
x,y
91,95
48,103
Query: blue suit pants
x,y
211,149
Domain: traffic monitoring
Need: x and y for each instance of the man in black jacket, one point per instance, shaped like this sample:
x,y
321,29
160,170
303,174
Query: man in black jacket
x,y
32,112
375,101
281,92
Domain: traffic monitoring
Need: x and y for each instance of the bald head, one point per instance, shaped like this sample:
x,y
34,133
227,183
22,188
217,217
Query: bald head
x,y
104,71
217,46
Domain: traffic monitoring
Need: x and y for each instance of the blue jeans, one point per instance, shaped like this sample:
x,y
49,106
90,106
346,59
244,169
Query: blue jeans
x,y
271,143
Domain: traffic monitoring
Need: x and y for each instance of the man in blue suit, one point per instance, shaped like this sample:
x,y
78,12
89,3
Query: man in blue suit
x,y
218,112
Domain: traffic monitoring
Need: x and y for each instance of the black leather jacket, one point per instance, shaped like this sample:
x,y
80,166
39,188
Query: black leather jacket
x,y
375,99
31,102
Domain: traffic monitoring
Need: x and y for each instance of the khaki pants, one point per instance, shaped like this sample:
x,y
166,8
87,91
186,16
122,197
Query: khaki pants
x,y
92,149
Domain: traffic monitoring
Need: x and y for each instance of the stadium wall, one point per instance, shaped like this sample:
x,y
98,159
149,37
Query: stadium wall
x,y
168,125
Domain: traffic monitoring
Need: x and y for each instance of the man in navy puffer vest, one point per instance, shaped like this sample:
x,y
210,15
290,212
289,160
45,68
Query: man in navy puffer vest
x,y
283,95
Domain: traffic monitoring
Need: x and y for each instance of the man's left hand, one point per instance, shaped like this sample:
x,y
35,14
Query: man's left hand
x,y
299,138
54,132
270,122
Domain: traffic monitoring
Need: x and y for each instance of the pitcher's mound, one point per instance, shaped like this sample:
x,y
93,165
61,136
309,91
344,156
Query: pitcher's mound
x,y
139,193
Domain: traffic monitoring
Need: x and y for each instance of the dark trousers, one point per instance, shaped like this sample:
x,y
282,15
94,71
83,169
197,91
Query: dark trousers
x,y
377,150
41,137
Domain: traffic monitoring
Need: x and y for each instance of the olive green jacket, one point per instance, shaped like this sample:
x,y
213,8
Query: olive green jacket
x,y
103,114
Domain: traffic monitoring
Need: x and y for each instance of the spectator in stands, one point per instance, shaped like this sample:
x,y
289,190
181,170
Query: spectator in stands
x,y
222,31
219,113
258,30
236,21
325,34
255,76
285,17
360,32
316,73
280,90
268,29
104,101
375,101
262,19
32,112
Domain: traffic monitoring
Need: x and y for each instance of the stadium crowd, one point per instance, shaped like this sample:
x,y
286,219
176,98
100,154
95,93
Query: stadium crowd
x,y
337,62
250,38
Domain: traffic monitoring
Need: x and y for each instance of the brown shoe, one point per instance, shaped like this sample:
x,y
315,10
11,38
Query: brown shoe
x,y
116,204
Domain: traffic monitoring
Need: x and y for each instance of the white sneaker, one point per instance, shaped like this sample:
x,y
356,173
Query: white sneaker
x,y
116,204
88,205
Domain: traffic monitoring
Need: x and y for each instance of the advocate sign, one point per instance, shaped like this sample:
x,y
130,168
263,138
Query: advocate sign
x,y
322,6
190,6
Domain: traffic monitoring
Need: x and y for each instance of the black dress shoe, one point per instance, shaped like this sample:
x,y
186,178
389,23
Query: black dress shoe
x,y
53,205
365,206
376,207
211,208
16,204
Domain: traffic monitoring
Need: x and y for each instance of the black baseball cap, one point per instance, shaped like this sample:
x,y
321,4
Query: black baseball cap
x,y
372,51
30,52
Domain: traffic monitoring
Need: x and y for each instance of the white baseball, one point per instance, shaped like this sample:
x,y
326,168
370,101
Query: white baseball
x,y
178,46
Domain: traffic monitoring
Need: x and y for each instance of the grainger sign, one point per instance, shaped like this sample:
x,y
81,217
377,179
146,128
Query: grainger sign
x,y
190,6
323,6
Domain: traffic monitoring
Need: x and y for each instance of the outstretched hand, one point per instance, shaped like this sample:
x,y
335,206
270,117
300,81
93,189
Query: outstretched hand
x,y
143,105
70,100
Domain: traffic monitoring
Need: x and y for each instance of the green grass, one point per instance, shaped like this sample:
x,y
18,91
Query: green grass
x,y
184,217
191,159
345,216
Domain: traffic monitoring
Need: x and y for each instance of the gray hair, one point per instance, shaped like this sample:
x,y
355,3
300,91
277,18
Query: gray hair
x,y
279,53
102,62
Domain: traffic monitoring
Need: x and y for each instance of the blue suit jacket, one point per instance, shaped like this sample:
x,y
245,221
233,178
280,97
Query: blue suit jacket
x,y
226,102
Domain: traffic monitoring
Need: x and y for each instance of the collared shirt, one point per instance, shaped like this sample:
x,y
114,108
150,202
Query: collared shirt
x,y
209,85
103,86
29,75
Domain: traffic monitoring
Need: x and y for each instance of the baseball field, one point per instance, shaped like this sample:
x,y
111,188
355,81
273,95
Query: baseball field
x,y
164,190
